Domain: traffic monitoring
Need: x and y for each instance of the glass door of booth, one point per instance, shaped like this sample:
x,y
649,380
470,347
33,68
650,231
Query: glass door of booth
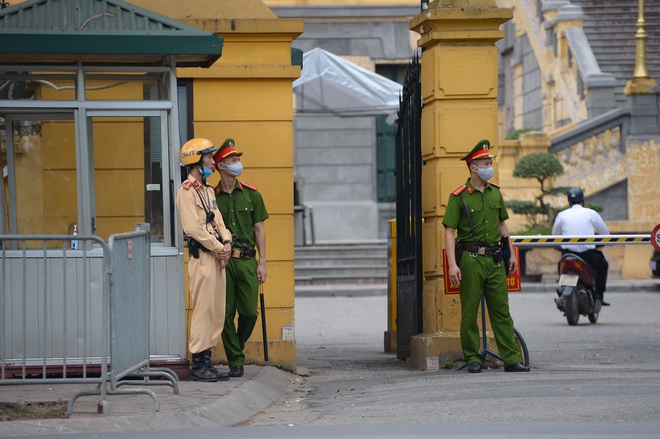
x,y
114,181
129,157
39,187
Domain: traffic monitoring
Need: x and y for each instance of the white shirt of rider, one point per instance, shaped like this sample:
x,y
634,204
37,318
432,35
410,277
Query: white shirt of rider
x,y
579,221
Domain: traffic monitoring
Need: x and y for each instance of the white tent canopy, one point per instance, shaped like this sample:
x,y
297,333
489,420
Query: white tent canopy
x,y
330,84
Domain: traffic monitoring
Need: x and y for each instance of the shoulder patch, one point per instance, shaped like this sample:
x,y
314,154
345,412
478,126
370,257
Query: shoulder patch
x,y
254,188
459,190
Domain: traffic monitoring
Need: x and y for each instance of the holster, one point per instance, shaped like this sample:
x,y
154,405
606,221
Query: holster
x,y
506,253
458,251
193,246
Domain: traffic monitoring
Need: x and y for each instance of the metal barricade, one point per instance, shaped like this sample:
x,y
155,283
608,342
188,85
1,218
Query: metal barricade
x,y
77,316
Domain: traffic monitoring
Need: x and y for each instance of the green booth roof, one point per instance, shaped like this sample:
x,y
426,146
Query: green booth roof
x,y
100,32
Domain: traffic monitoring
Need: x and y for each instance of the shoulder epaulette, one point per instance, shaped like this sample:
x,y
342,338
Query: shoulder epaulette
x,y
254,188
493,184
459,190
187,184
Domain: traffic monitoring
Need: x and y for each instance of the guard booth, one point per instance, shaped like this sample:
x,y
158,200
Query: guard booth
x,y
90,136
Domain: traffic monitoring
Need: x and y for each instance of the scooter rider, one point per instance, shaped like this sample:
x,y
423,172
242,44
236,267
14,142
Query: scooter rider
x,y
581,221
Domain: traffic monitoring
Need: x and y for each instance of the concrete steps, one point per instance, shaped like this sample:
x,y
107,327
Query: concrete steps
x,y
341,270
610,26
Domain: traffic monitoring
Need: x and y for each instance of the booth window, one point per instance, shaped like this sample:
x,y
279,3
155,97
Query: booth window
x,y
120,152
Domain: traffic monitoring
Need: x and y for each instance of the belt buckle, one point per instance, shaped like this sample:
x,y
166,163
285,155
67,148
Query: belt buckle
x,y
481,251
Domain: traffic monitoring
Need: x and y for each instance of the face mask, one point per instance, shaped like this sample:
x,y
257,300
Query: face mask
x,y
235,169
485,173
206,173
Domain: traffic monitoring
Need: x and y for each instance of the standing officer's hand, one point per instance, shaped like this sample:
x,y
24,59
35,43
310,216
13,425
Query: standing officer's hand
x,y
455,274
262,273
225,253
223,261
513,263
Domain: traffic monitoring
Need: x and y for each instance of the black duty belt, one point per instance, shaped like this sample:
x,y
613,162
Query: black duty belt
x,y
485,251
243,254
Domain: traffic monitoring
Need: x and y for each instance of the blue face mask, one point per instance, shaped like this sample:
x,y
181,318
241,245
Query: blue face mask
x,y
206,173
485,173
235,169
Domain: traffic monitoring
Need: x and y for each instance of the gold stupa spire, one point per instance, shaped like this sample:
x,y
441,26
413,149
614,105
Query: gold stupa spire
x,y
640,50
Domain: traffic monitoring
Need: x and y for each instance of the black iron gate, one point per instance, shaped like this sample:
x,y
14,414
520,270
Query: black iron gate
x,y
409,211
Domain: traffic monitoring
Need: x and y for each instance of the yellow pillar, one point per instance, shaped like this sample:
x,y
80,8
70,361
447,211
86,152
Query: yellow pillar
x,y
459,90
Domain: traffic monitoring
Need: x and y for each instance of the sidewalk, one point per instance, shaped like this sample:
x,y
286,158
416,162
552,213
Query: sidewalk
x,y
198,405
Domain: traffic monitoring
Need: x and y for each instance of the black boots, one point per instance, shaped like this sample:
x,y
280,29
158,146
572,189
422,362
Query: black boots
x,y
200,371
207,360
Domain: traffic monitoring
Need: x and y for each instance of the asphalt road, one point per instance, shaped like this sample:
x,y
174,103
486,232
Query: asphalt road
x,y
602,374
588,381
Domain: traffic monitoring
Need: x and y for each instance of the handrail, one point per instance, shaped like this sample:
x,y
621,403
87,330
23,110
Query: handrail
x,y
594,126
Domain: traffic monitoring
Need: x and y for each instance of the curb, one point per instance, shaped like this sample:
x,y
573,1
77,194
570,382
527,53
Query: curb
x,y
364,290
238,406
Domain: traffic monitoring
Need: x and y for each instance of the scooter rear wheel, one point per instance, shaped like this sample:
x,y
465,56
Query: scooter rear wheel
x,y
572,307
593,317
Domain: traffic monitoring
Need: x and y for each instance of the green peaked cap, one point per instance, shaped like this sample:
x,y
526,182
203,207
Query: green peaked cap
x,y
227,148
481,150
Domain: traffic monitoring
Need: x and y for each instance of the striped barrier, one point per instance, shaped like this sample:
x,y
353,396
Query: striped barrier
x,y
556,240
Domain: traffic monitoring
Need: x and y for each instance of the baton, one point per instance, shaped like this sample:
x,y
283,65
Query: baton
x,y
263,320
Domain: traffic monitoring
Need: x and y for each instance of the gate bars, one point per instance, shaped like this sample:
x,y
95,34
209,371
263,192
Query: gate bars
x,y
409,211
81,315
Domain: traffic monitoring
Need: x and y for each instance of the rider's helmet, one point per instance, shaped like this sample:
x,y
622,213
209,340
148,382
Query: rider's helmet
x,y
575,196
193,150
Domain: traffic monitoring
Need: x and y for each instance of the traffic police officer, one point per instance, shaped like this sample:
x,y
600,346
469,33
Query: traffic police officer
x,y
478,266
244,212
209,248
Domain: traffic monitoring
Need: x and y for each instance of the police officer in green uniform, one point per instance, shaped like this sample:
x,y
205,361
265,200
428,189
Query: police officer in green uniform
x,y
244,212
478,265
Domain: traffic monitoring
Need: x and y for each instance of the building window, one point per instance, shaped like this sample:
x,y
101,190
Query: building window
x,y
386,141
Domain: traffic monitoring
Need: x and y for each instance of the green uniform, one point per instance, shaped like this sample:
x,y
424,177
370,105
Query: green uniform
x,y
481,274
240,211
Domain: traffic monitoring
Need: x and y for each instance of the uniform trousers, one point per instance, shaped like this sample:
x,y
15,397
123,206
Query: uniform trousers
x,y
206,280
482,275
242,298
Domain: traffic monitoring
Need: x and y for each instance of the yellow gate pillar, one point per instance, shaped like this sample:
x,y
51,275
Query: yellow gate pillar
x,y
459,91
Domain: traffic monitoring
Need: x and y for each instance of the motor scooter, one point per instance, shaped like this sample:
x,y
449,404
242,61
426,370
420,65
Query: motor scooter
x,y
577,289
